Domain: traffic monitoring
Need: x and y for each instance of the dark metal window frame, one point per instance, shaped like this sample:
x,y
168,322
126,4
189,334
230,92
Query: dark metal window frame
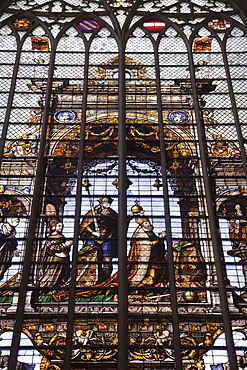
x,y
122,37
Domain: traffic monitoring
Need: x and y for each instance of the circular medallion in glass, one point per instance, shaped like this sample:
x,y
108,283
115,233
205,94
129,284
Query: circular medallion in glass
x,y
127,74
65,116
178,117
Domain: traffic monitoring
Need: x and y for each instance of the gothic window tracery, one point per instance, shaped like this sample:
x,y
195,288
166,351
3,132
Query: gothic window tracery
x,y
123,184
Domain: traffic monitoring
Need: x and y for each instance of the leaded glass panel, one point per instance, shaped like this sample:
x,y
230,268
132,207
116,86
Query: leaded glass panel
x,y
123,185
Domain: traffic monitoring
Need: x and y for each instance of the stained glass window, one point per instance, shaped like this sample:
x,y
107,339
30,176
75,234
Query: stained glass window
x,y
123,194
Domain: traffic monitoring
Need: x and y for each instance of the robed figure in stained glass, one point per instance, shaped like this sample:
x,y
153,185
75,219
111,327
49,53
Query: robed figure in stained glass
x,y
146,264
8,244
98,230
146,249
55,268
238,235
238,228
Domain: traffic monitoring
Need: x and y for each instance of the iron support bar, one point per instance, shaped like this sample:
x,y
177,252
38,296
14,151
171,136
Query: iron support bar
x,y
123,340
72,291
33,220
172,281
212,219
